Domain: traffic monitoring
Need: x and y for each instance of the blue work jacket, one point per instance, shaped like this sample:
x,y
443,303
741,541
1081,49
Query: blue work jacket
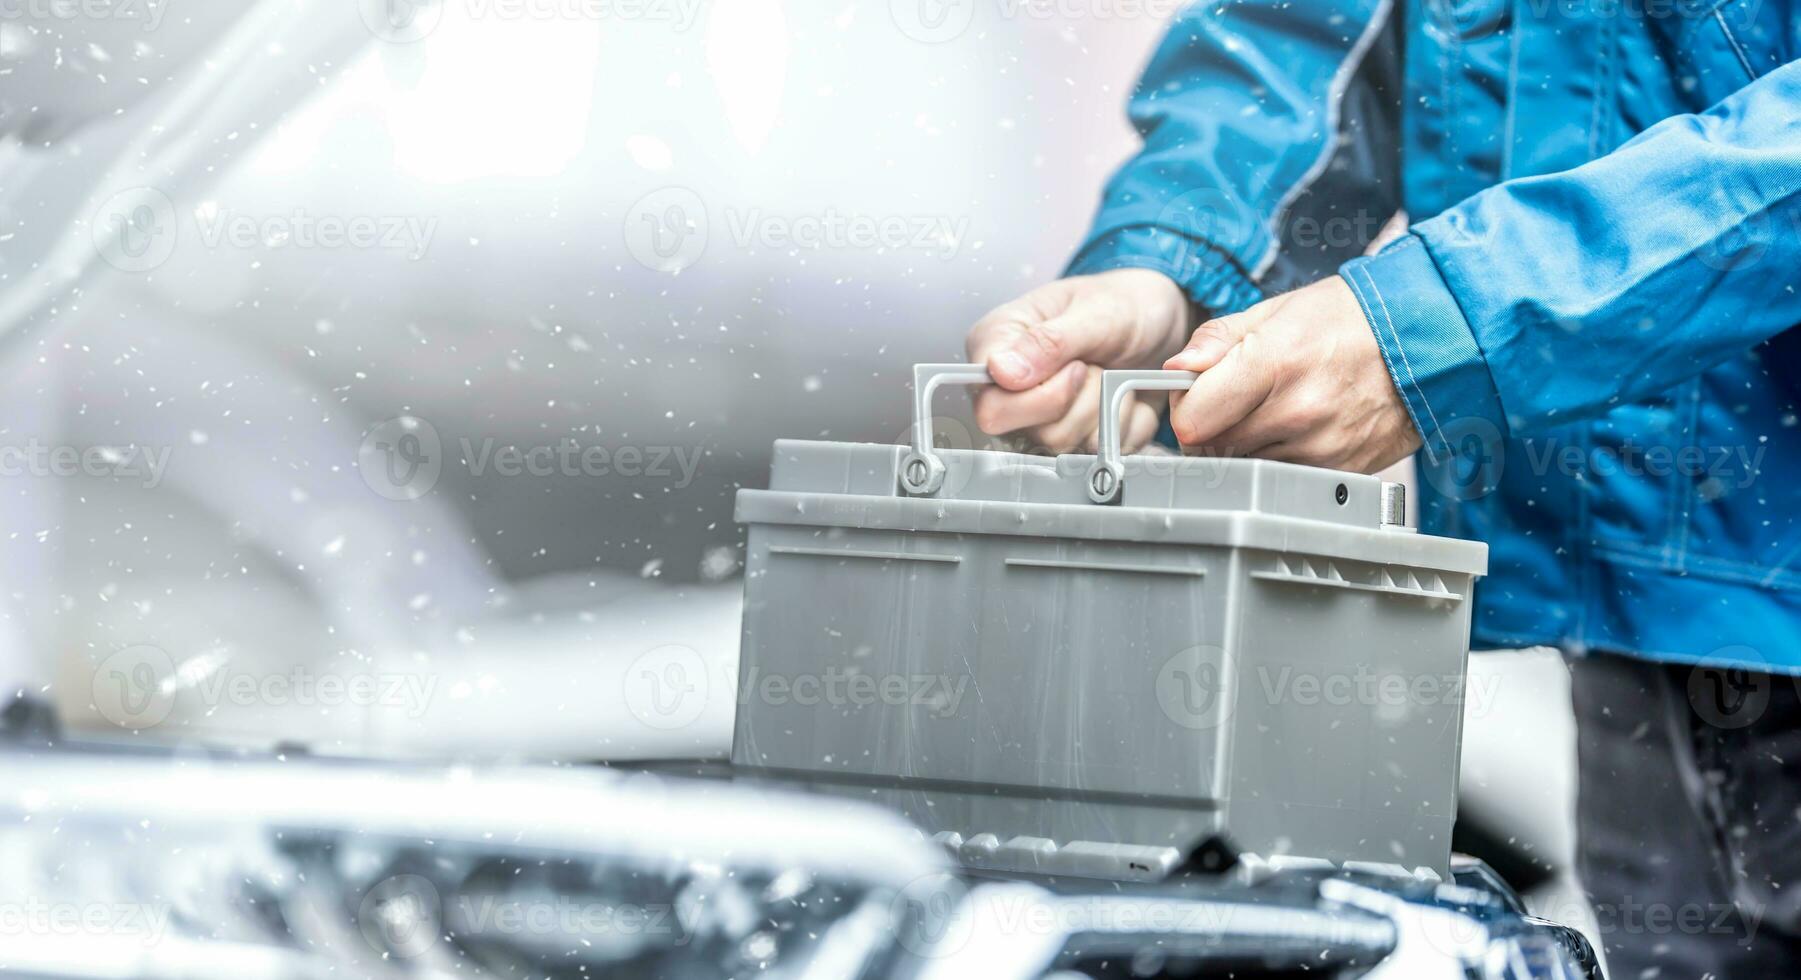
x,y
1590,314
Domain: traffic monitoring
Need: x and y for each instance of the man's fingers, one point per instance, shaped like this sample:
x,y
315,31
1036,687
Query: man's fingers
x,y
999,411
994,342
1259,433
1075,428
1209,343
1223,396
1062,414
1021,355
1140,428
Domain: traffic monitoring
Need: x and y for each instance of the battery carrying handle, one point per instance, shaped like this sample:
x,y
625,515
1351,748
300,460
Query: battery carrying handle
x,y
922,472
1108,474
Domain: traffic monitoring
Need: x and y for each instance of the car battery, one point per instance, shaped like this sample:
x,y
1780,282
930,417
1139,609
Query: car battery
x,y
1093,664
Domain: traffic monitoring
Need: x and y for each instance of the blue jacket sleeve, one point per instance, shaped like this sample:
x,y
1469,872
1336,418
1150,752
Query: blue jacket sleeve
x,y
1550,299
1253,112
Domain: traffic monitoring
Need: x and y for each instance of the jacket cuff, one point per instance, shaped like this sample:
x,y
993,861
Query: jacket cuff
x,y
1209,277
1430,350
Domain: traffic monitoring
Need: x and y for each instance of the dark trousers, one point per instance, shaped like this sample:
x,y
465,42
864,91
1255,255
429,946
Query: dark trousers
x,y
1689,817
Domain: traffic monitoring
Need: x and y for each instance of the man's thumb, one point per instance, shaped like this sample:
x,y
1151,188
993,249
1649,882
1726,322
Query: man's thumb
x,y
1210,343
1024,355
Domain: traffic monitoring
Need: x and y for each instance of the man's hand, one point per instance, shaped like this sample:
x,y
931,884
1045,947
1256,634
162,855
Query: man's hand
x,y
1299,378
1046,350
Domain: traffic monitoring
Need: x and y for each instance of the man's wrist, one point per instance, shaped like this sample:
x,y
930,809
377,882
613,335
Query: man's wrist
x,y
1431,353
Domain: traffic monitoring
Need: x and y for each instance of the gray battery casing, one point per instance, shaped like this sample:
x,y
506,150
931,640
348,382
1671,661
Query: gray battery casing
x,y
1238,647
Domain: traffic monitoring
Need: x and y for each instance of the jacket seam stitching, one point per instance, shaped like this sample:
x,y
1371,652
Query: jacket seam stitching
x,y
1412,379
1686,487
1509,641
1603,89
1335,92
1732,41
1579,539
1638,555
1369,313
1513,97
1714,7
1706,566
